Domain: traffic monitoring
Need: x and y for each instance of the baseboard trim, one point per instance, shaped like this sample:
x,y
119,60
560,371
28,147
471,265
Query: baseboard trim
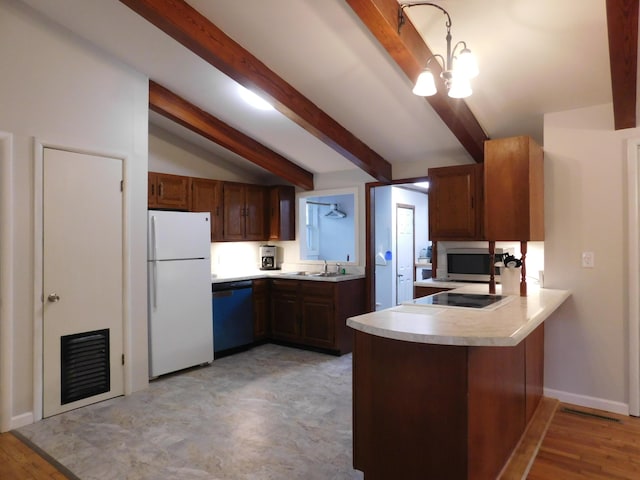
x,y
589,402
523,456
22,420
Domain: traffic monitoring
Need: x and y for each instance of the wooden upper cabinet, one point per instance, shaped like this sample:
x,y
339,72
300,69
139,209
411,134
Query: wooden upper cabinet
x,y
168,191
514,189
282,213
255,219
455,202
244,211
206,196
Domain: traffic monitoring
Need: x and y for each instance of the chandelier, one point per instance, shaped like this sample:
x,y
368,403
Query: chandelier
x,y
457,69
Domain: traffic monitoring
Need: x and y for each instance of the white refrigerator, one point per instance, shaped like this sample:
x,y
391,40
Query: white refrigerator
x,y
179,291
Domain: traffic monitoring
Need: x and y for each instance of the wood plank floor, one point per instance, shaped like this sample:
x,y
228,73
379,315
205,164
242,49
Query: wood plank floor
x,y
576,446
19,462
581,446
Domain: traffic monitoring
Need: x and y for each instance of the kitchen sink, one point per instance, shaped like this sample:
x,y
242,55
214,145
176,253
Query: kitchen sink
x,y
315,274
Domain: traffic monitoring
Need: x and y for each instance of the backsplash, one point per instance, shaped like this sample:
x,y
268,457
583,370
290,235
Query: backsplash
x,y
234,257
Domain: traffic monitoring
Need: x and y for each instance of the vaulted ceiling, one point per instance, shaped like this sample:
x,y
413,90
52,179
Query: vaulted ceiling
x,y
340,74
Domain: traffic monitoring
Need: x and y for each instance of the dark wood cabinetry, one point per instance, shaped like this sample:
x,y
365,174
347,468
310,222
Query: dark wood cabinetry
x,y
317,312
439,411
239,211
244,211
206,196
282,225
285,317
168,191
456,202
426,291
514,189
313,314
260,309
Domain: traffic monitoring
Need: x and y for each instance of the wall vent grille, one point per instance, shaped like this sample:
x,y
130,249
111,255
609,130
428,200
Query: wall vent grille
x,y
85,365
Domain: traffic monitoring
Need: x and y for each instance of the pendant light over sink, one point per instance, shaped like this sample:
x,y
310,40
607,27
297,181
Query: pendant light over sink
x,y
457,70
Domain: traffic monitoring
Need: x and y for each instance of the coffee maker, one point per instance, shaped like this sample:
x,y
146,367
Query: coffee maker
x,y
268,257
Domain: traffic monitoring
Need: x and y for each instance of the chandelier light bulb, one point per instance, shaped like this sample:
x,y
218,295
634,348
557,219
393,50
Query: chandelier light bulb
x,y
425,84
466,64
459,87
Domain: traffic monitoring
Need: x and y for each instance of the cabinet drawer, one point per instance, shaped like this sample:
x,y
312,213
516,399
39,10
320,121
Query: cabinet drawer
x,y
284,285
322,289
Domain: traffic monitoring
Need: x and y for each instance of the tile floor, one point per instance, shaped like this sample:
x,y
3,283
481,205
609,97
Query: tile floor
x,y
272,412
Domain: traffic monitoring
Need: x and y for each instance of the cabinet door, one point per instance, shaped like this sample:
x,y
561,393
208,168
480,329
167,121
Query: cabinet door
x,y
260,309
282,213
152,193
206,196
455,203
172,191
233,218
254,212
318,326
514,189
285,319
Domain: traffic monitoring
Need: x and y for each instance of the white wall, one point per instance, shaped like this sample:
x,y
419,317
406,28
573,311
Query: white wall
x,y
57,89
585,195
171,154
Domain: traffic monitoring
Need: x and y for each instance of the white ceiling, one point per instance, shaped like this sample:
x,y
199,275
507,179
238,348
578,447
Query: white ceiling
x,y
535,56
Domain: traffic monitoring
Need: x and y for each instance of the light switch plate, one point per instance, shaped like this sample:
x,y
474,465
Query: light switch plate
x,y
588,260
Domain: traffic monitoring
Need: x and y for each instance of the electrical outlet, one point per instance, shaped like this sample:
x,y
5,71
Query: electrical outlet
x,y
588,260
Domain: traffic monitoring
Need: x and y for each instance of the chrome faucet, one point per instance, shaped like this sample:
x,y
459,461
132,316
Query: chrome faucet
x,y
325,266
337,267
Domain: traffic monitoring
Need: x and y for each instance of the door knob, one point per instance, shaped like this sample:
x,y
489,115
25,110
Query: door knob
x,y
53,297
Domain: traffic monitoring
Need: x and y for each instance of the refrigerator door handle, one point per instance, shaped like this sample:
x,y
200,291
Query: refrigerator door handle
x,y
154,288
154,239
154,263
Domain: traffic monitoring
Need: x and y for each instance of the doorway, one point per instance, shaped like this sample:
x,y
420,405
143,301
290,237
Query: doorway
x,y
381,237
405,252
82,279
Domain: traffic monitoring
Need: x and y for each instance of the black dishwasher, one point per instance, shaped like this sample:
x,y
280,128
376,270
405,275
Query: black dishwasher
x,y
232,304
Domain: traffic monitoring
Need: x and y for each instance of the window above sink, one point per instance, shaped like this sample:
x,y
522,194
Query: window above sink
x,y
327,226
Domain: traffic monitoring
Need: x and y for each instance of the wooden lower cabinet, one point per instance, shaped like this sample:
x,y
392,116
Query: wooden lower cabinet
x,y
426,291
285,317
314,313
261,309
439,411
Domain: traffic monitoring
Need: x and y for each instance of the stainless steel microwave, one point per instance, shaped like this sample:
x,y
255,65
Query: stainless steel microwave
x,y
472,264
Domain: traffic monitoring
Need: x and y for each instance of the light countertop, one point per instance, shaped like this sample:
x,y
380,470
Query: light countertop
x,y
237,276
432,282
506,325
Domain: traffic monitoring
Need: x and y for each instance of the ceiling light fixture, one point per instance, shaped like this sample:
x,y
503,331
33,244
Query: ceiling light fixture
x,y
457,70
253,99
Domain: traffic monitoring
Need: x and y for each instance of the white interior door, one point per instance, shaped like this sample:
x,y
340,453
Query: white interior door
x,y
404,253
82,280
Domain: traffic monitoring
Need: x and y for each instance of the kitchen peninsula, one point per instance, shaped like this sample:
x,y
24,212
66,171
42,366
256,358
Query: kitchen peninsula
x,y
446,392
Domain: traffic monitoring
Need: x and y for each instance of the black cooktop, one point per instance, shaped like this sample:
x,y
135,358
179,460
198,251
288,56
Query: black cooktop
x,y
470,300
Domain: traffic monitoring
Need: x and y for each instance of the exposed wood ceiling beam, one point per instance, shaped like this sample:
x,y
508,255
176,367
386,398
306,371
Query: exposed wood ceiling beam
x,y
179,110
622,27
187,26
410,52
